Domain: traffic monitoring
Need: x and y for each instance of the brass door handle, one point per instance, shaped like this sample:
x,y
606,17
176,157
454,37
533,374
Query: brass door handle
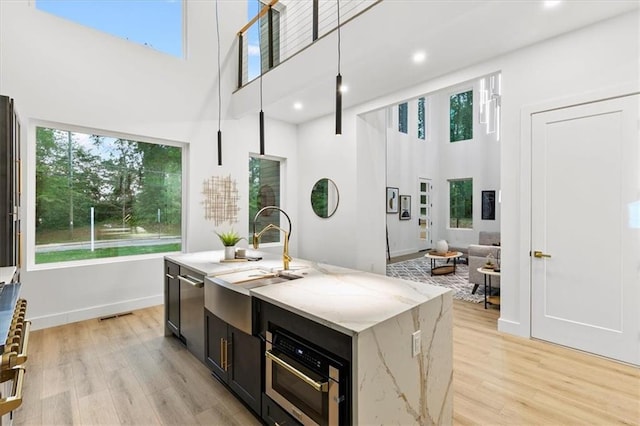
x,y
540,254
222,353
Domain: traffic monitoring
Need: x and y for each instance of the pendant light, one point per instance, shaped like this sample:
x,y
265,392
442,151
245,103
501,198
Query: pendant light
x,y
261,111
219,91
338,83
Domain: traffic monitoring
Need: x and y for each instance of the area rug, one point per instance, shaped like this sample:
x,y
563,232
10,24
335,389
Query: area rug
x,y
420,270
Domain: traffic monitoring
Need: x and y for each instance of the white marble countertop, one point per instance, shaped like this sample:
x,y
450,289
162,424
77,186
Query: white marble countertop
x,y
343,299
6,274
346,300
210,262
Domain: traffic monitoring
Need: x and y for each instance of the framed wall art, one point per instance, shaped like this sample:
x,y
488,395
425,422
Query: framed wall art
x,y
392,200
405,207
488,205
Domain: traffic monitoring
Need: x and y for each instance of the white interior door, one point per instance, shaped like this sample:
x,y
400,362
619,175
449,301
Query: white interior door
x,y
586,218
424,213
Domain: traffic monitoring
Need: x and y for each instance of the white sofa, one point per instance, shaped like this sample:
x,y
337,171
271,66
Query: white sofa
x,y
488,242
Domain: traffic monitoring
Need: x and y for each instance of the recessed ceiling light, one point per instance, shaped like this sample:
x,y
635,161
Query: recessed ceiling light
x,y
297,106
419,57
550,4
344,88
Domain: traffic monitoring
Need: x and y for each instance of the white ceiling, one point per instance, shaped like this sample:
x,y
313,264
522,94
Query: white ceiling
x,y
377,49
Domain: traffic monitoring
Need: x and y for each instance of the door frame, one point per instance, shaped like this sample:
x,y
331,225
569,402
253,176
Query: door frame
x,y
523,298
429,242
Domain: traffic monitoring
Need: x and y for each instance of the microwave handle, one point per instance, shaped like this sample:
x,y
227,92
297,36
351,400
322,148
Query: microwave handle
x,y
318,386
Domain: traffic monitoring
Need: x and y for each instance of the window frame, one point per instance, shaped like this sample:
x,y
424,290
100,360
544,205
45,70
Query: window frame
x,y
403,120
473,106
283,164
183,30
421,100
29,213
449,218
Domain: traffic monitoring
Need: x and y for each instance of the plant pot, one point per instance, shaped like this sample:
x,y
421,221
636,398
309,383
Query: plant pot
x,y
229,252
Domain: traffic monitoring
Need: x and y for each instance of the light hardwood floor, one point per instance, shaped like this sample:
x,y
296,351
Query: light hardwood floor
x,y
124,371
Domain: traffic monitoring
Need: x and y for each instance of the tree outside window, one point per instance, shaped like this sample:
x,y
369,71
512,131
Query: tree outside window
x,y
100,196
461,116
461,203
403,117
421,119
264,190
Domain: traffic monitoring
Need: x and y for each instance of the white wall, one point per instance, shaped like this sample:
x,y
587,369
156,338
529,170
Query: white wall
x,y
325,155
62,72
601,56
410,158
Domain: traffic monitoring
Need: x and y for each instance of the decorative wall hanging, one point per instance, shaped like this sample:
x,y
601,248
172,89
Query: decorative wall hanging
x,y
220,199
488,205
392,200
405,207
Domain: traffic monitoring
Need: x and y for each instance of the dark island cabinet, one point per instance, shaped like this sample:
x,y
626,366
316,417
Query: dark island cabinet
x,y
171,298
273,414
236,358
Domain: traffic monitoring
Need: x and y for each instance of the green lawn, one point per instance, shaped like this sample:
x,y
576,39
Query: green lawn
x,y
68,255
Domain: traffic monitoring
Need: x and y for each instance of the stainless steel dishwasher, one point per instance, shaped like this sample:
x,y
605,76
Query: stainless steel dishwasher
x,y
192,311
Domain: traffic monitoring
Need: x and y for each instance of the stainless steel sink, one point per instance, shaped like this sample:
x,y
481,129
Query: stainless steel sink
x,y
234,305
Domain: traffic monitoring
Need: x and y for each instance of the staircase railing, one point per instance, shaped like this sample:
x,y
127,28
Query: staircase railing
x,y
282,28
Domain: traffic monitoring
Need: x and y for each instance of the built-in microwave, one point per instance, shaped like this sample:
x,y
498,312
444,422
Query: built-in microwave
x,y
308,383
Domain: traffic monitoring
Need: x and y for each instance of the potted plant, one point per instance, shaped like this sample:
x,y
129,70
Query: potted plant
x,y
229,240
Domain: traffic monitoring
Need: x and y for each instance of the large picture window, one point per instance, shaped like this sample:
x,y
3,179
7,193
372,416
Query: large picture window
x,y
264,190
461,203
461,116
101,196
153,23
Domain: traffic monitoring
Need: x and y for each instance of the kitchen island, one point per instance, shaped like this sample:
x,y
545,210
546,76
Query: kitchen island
x,y
399,362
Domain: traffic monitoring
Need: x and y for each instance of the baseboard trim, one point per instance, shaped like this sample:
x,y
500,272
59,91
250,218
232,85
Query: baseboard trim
x,y
511,327
92,312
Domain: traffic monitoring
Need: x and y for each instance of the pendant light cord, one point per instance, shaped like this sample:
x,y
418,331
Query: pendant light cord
x,y
261,71
219,74
338,3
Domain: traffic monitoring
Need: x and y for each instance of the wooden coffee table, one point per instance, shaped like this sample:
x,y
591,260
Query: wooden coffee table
x,y
443,269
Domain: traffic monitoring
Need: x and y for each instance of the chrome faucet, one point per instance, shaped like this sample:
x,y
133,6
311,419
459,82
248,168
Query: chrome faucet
x,y
256,236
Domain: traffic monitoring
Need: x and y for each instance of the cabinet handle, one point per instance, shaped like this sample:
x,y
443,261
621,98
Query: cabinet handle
x,y
19,177
22,356
226,355
171,277
12,402
222,353
318,386
191,281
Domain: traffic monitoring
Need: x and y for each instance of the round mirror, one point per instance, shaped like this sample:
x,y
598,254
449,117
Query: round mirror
x,y
324,198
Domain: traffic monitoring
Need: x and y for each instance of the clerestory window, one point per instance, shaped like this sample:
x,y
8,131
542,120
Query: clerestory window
x,y
157,24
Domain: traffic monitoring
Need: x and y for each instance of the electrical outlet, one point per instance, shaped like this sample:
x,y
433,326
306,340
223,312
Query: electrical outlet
x,y
415,343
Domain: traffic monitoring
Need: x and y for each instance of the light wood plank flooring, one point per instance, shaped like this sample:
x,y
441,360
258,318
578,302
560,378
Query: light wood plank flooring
x,y
124,371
